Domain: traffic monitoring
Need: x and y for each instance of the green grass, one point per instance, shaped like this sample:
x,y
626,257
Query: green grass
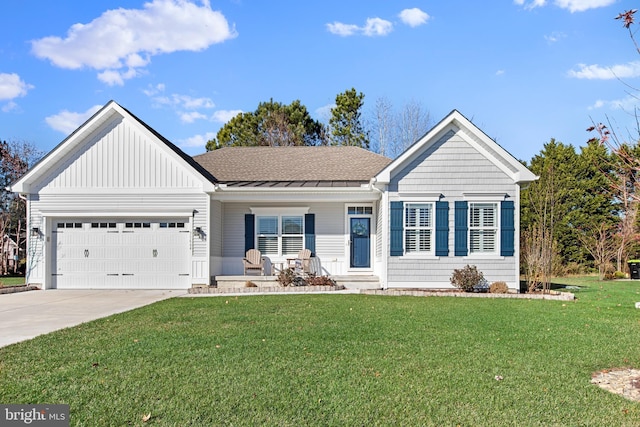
x,y
11,281
339,360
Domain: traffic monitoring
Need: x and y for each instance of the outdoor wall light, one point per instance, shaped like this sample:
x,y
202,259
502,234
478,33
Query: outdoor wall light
x,y
198,231
35,232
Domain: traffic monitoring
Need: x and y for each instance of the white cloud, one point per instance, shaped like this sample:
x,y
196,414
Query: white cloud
x,y
582,5
12,86
377,27
570,5
324,112
196,141
154,90
530,4
414,17
122,41
500,72
9,106
223,116
555,37
595,71
191,116
629,103
67,121
340,29
372,27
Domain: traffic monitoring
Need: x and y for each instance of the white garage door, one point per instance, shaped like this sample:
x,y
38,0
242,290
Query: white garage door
x,y
121,254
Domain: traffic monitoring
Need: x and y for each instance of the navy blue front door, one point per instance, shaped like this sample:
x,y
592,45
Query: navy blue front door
x,y
360,243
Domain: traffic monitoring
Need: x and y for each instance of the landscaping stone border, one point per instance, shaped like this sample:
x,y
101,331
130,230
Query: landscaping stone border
x,y
264,289
21,288
560,296
203,290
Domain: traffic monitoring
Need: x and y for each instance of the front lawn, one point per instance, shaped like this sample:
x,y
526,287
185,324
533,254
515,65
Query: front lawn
x,y
11,281
339,360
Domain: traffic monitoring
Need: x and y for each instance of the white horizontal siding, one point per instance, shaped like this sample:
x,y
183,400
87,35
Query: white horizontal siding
x,y
124,156
217,231
330,234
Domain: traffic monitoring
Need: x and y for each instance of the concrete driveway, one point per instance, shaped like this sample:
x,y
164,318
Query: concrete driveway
x,y
26,315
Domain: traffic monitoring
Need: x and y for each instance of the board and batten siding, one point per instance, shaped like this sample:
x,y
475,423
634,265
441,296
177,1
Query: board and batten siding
x,y
120,155
329,228
450,167
119,170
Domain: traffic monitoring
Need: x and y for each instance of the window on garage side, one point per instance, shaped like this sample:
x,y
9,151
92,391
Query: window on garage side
x,y
483,227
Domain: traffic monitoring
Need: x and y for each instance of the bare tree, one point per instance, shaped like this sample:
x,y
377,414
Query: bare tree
x,y
383,126
601,243
413,123
15,159
394,131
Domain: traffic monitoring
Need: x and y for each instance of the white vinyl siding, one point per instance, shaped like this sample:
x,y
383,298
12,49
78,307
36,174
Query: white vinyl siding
x,y
451,167
122,156
483,228
418,228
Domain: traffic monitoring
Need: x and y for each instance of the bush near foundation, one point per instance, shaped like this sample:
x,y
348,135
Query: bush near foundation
x,y
467,278
498,288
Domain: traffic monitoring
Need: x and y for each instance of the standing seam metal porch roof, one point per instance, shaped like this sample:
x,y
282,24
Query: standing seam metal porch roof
x,y
324,166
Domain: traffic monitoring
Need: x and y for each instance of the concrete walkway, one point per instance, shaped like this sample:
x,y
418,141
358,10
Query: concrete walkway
x,y
26,315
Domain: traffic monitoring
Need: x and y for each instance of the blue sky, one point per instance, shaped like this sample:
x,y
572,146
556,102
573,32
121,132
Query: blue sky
x,y
524,71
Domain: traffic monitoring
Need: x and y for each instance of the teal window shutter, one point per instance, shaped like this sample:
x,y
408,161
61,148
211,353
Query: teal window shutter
x,y
442,228
396,221
461,228
310,232
249,232
507,228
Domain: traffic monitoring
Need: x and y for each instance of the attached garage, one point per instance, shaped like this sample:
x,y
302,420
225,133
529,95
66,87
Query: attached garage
x,y
117,206
112,253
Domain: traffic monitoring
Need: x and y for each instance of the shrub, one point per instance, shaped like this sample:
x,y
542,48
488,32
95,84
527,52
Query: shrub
x,y
498,288
467,278
619,275
314,280
286,277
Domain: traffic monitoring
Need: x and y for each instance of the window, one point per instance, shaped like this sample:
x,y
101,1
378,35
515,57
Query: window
x,y
360,210
267,229
418,228
103,225
483,227
280,234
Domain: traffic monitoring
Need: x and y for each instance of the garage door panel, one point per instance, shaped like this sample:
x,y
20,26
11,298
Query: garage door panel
x,y
121,254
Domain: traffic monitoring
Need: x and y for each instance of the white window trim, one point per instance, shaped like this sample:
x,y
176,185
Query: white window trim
x,y
419,254
279,213
495,254
372,235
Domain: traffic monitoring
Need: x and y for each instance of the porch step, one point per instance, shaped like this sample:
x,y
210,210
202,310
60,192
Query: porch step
x,y
358,282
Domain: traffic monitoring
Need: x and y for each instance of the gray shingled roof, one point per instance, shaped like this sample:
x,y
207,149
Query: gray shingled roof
x,y
292,166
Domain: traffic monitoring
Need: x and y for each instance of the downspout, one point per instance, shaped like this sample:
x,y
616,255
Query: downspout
x,y
382,233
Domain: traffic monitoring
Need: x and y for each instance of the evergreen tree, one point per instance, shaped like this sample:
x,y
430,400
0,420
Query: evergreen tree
x,y
346,120
271,124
